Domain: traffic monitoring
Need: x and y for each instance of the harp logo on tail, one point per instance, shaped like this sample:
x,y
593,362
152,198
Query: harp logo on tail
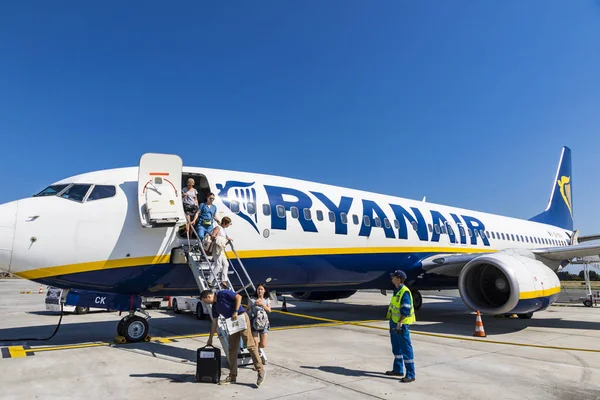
x,y
240,198
564,183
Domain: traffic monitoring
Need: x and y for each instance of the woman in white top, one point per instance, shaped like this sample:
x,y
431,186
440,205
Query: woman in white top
x,y
220,239
260,319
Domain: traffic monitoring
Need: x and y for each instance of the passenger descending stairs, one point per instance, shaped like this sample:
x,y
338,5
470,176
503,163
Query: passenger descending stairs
x,y
203,268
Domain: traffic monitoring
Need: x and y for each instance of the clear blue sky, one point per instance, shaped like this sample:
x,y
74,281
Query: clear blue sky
x,y
466,102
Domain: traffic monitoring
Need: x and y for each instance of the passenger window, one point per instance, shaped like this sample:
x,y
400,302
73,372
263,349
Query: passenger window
x,y
518,240
512,237
331,216
502,236
251,208
493,235
76,192
295,212
344,218
377,222
51,190
430,227
386,223
443,227
414,225
367,220
307,214
281,211
436,227
476,232
487,233
235,206
320,215
102,192
470,232
461,230
266,209
450,231
355,219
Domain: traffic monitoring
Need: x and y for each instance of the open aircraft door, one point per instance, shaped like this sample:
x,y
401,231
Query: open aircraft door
x,y
159,196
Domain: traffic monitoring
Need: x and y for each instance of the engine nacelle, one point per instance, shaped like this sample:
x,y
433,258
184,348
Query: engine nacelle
x,y
325,295
507,283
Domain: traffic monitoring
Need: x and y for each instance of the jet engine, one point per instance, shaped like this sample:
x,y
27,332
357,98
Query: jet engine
x,y
327,295
507,283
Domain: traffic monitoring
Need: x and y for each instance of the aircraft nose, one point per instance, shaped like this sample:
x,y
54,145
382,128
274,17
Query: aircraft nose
x,y
8,220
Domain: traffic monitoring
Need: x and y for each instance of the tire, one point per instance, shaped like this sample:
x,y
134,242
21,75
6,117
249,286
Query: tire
x,y
417,299
82,310
587,303
135,329
120,327
525,316
176,309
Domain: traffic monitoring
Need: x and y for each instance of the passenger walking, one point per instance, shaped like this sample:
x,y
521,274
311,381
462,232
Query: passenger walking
x,y
229,305
260,319
207,216
190,204
220,241
401,313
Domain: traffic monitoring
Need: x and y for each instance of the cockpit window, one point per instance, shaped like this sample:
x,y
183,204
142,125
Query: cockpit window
x,y
76,192
51,190
102,192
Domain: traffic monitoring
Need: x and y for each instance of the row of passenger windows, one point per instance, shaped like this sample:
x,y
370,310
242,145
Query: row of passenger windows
x,y
78,192
439,229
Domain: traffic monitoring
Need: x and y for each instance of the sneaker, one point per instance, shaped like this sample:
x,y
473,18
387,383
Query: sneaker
x,y
227,380
261,377
263,357
405,379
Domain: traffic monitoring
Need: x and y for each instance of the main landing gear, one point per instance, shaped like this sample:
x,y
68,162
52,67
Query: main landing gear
x,y
417,299
134,328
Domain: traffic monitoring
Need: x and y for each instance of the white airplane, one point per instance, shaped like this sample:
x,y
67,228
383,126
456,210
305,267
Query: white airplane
x,y
112,234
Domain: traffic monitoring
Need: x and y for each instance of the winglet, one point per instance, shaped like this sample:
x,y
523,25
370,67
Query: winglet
x,y
560,207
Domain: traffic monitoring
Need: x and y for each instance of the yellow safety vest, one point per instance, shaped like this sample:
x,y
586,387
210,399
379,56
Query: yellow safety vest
x,y
394,308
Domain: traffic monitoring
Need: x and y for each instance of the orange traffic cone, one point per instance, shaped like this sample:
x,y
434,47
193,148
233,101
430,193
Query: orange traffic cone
x,y
169,301
41,291
479,326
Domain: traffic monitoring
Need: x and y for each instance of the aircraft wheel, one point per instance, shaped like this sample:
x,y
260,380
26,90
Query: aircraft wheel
x,y
525,316
587,303
417,299
176,309
120,327
200,311
135,329
82,310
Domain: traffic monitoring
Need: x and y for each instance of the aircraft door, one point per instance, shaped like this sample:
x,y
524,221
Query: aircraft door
x,y
159,195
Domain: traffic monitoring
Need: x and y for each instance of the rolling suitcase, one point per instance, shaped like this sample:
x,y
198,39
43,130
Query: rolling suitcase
x,y
208,364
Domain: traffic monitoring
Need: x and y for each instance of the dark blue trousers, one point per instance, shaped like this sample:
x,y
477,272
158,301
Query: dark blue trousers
x,y
403,351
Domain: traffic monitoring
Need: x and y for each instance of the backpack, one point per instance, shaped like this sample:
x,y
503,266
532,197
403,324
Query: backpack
x,y
261,319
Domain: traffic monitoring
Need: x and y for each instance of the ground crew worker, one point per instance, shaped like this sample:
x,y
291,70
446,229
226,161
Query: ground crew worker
x,y
401,313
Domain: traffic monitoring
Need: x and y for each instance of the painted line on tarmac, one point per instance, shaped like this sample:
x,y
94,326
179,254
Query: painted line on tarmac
x,y
439,335
24,351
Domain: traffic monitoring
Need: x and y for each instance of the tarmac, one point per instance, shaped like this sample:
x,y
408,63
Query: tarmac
x,y
316,350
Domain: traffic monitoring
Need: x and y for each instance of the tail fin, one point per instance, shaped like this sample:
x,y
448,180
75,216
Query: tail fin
x,y
560,207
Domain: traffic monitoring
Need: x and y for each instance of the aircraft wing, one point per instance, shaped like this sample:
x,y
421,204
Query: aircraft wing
x,y
569,252
452,264
588,238
447,264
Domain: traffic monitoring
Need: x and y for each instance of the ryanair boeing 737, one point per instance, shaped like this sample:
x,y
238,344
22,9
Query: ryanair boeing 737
x,y
115,235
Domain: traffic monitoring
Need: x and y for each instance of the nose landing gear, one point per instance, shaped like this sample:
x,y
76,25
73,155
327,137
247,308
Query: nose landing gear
x,y
133,328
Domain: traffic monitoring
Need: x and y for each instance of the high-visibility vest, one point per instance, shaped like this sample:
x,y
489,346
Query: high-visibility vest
x,y
394,308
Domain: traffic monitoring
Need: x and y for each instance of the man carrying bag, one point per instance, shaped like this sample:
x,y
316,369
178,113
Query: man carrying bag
x,y
229,305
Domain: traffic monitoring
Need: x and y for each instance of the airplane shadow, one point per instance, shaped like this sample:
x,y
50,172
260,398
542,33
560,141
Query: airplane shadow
x,y
448,316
